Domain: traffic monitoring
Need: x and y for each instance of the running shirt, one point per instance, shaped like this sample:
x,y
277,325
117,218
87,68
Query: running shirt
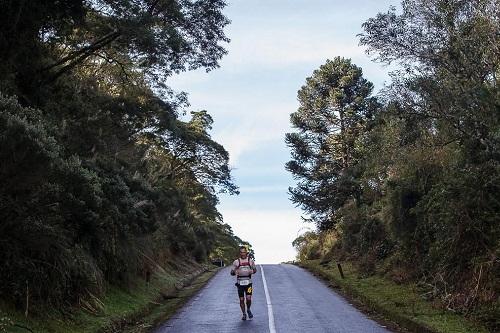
x,y
243,268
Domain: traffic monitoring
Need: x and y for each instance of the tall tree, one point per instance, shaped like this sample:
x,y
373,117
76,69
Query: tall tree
x,y
335,106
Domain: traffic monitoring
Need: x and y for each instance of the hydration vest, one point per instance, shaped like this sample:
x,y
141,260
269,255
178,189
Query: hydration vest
x,y
245,264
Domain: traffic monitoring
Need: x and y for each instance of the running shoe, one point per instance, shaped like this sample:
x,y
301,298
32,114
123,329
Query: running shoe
x,y
244,317
250,314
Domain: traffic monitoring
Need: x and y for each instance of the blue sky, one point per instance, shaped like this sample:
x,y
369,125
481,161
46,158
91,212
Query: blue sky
x,y
275,45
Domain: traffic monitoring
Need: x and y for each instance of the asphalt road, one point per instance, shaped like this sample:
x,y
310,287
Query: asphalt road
x,y
295,301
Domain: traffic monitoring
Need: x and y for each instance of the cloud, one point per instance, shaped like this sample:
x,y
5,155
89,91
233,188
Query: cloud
x,y
245,139
253,93
285,47
240,139
254,128
270,232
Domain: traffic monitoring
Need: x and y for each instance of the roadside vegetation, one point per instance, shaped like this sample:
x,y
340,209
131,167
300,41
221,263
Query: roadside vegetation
x,y
404,184
107,177
400,306
139,308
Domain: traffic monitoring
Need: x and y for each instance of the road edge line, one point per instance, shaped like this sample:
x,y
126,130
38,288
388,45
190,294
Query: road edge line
x,y
270,315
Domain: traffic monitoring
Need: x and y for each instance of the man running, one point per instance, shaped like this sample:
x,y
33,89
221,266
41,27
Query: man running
x,y
243,268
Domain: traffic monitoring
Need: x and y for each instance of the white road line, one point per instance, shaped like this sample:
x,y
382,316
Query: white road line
x,y
270,315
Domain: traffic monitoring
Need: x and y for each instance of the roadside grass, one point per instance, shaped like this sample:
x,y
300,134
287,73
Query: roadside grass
x,y
169,307
391,302
120,308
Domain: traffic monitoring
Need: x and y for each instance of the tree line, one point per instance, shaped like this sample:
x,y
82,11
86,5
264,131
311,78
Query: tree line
x,y
103,173
406,182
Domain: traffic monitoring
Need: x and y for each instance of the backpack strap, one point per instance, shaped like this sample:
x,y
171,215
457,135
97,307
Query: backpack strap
x,y
245,264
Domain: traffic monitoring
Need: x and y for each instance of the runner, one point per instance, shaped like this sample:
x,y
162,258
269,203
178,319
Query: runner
x,y
243,268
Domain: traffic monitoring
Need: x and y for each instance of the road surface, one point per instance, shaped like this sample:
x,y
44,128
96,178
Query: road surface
x,y
295,301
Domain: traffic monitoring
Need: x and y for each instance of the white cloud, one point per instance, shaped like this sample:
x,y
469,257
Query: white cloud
x,y
285,47
246,138
270,232
257,125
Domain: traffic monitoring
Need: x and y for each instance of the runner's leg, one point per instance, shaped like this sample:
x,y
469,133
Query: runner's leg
x,y
249,292
249,301
242,304
241,294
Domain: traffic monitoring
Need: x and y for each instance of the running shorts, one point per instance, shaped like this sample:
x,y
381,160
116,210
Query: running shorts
x,y
242,290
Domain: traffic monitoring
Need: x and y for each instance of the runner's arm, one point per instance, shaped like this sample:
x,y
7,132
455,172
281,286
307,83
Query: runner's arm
x,y
254,267
233,269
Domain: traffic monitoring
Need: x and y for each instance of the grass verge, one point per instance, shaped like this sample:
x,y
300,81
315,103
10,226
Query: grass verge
x,y
399,305
169,306
135,309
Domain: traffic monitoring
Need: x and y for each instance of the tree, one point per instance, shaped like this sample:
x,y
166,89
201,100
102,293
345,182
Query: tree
x,y
156,38
451,56
186,150
335,107
444,125
84,201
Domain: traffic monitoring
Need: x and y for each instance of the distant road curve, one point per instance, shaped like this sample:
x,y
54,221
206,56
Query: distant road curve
x,y
296,301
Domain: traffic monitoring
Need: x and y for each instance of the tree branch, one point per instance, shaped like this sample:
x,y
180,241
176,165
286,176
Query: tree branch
x,y
80,55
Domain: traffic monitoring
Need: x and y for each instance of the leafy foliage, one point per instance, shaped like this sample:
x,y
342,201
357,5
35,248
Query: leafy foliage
x,y
100,179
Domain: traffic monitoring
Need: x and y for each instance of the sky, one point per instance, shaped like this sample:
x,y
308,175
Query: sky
x,y
275,45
